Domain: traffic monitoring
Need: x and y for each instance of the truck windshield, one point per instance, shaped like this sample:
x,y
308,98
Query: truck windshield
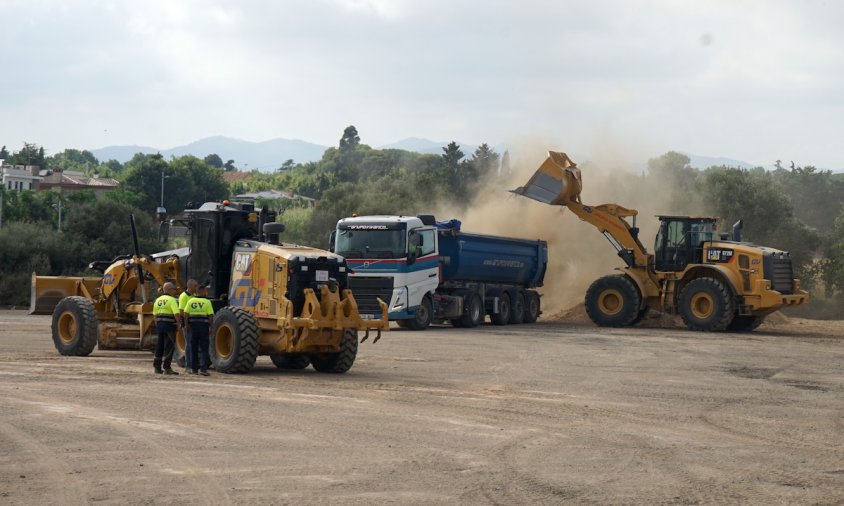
x,y
370,243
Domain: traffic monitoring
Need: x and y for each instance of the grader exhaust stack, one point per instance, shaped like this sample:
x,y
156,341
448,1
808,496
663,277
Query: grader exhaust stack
x,y
556,182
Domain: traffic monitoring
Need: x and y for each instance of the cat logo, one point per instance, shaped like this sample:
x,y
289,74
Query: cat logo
x,y
242,261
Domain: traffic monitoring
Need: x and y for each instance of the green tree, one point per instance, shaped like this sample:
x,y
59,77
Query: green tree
x,y
30,154
350,139
229,166
214,160
74,159
4,154
287,165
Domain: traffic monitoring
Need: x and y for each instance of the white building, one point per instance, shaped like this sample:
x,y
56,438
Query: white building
x,y
19,177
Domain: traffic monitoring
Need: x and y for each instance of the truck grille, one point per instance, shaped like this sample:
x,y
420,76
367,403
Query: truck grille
x,y
779,272
367,290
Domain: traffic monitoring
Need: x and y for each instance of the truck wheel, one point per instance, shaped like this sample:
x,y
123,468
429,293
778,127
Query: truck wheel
x,y
338,363
517,308
402,323
706,304
234,340
641,316
613,301
532,306
502,317
290,361
422,318
75,326
473,311
745,323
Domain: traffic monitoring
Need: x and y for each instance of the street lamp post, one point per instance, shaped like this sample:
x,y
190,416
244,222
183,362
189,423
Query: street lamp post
x,y
161,211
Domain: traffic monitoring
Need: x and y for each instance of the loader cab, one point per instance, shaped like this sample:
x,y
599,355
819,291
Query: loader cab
x,y
680,240
214,229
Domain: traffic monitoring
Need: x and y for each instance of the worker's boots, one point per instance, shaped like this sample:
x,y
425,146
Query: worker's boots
x,y
156,363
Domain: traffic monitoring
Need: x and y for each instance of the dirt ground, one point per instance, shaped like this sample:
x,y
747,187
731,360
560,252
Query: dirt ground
x,y
550,413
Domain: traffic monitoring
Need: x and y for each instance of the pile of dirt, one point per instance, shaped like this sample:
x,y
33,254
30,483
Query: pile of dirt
x,y
574,314
776,318
577,314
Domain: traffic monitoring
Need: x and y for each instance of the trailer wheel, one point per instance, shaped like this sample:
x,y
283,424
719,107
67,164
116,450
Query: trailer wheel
x,y
532,306
517,308
422,318
502,317
613,301
290,361
706,304
75,326
234,340
745,323
338,363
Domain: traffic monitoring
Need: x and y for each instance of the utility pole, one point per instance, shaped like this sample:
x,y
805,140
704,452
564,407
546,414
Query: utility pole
x,y
1,209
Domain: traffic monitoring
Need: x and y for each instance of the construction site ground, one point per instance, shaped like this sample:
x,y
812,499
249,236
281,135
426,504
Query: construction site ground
x,y
554,412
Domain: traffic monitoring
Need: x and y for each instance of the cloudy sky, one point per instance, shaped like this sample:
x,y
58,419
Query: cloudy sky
x,y
751,80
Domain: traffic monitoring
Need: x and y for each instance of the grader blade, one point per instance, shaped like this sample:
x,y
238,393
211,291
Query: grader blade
x,y
556,182
47,291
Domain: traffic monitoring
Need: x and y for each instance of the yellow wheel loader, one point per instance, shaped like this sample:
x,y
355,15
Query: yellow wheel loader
x,y
715,284
287,301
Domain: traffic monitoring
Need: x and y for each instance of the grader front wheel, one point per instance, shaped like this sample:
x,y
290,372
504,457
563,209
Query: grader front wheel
x,y
75,326
338,363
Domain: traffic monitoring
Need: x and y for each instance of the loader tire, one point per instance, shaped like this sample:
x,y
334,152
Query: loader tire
x,y
641,316
502,317
422,318
338,363
707,305
745,323
517,307
613,301
75,326
234,340
290,361
532,306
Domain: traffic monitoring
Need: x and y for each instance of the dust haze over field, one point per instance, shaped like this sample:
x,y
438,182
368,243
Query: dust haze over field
x,y
578,253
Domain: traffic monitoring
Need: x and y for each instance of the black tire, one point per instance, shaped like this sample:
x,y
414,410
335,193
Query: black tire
x,y
532,307
641,316
517,308
613,301
742,323
707,305
290,361
338,363
75,326
422,318
502,317
234,340
473,313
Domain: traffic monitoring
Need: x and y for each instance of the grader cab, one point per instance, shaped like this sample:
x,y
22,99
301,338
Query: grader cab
x,y
712,282
287,301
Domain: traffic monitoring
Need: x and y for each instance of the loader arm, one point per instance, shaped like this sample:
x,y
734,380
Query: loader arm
x,y
558,182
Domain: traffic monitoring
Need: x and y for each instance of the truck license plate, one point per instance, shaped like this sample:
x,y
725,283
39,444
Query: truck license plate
x,y
322,275
367,317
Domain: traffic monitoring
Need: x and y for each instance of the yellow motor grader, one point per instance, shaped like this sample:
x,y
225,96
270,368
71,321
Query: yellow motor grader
x,y
287,301
714,283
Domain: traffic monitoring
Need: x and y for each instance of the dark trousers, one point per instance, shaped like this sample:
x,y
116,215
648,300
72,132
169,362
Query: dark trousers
x,y
188,354
165,345
199,346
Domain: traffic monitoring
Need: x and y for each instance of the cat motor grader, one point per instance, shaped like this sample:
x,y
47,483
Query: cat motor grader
x,y
283,300
715,284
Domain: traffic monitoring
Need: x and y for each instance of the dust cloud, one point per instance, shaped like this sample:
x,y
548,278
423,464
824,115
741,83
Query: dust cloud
x,y
578,253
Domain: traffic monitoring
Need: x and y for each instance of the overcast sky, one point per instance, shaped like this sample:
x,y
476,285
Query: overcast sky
x,y
751,80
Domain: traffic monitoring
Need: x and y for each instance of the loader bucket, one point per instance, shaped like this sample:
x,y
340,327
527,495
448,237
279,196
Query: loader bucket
x,y
556,182
47,291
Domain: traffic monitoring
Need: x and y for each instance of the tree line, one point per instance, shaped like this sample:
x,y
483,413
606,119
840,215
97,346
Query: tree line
x,y
795,208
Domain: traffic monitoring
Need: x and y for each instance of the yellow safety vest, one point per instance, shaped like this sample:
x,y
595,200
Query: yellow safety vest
x,y
166,308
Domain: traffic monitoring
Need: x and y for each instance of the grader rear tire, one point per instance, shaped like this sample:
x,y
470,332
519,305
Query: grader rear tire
x,y
707,305
74,326
613,301
290,361
338,363
234,340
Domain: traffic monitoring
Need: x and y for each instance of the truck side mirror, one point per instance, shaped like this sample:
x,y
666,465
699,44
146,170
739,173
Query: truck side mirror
x,y
332,239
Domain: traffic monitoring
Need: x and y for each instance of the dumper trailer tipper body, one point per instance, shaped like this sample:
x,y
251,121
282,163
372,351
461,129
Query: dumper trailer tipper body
x,y
434,272
287,301
713,282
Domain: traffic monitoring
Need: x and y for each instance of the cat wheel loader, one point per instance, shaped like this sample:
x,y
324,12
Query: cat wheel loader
x,y
713,283
283,300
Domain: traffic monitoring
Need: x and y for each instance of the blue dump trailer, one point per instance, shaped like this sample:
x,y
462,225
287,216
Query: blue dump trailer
x,y
430,271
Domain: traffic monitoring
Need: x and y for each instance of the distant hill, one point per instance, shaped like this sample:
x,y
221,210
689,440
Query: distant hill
x,y
266,155
704,162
